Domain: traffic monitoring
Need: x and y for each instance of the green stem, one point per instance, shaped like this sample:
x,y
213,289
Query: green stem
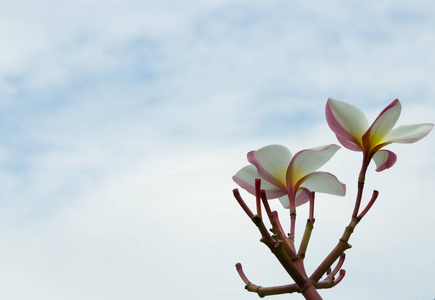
x,y
292,220
305,239
308,229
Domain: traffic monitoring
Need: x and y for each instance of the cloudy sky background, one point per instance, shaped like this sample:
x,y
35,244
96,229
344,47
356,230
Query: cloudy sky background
x,y
122,123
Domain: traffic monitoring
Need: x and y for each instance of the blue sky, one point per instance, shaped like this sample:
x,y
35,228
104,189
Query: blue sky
x,y
122,123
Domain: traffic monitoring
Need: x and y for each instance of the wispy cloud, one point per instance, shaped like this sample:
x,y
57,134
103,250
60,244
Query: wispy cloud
x,y
122,123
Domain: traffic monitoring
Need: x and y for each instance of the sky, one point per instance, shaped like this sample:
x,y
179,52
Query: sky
x,y
122,123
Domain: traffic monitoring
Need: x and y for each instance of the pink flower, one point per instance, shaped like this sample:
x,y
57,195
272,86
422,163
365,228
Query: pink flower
x,y
290,178
353,131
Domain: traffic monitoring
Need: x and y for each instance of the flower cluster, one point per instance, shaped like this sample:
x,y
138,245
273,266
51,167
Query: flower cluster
x,y
275,173
353,131
291,178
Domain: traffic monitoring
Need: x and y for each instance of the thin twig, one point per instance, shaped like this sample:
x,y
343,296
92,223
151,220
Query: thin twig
x,y
266,291
242,203
340,277
257,196
266,204
311,215
369,205
338,266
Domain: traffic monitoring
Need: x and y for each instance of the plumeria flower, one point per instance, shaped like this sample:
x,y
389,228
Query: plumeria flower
x,y
353,131
290,178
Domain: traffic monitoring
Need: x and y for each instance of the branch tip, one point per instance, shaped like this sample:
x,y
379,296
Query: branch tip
x,y
242,203
265,203
311,213
338,266
340,277
369,205
242,274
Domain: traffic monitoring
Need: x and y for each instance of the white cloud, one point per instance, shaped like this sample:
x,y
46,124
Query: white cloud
x,y
122,124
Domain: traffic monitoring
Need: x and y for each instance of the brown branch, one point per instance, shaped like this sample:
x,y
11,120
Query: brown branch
x,y
284,289
341,246
283,249
265,236
266,291
273,216
279,236
281,253
280,248
278,232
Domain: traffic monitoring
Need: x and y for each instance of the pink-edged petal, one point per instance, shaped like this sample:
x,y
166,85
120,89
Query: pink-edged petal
x,y
383,124
384,159
323,182
245,178
346,121
302,196
309,160
408,133
272,162
349,144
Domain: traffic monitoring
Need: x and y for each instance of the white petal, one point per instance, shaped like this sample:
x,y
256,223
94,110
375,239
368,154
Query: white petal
x,y
309,160
245,178
346,121
351,145
383,124
324,182
408,133
384,159
272,163
302,196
